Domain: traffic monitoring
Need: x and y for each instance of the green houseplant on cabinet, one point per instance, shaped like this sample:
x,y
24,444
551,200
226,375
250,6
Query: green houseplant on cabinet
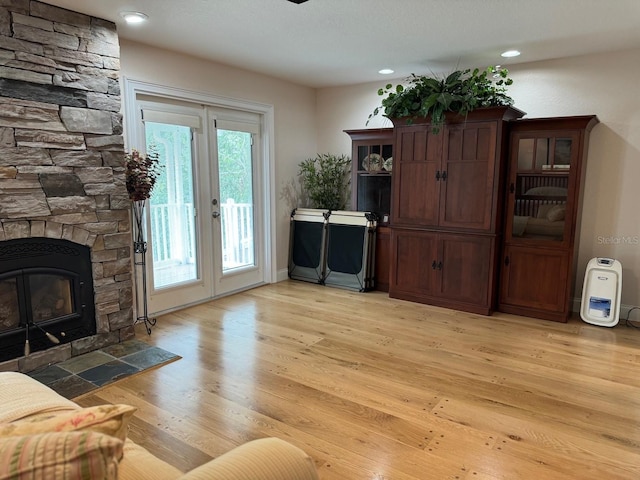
x,y
460,92
325,181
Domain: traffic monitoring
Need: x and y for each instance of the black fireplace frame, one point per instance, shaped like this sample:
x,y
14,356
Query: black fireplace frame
x,y
23,257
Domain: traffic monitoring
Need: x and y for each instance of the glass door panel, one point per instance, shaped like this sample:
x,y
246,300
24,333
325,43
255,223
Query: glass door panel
x,y
172,207
542,153
235,178
540,186
50,297
10,309
562,154
525,154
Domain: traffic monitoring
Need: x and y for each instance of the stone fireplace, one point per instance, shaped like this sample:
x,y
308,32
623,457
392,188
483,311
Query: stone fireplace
x,y
62,183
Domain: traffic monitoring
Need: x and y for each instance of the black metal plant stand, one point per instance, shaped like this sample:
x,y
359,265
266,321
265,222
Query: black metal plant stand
x,y
140,259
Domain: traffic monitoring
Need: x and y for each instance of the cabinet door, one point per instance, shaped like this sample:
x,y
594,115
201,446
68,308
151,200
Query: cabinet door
x,y
371,178
535,278
467,176
466,266
541,196
417,158
414,260
371,164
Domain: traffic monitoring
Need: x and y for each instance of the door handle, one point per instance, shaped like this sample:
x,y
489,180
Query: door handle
x,y
215,214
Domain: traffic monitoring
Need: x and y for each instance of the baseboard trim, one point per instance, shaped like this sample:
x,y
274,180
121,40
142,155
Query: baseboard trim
x,y
282,275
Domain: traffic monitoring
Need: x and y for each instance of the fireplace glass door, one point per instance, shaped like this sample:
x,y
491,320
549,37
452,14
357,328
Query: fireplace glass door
x,y
50,296
9,306
29,298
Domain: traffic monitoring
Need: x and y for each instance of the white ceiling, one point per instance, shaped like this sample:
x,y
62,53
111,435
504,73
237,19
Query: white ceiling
x,y
324,43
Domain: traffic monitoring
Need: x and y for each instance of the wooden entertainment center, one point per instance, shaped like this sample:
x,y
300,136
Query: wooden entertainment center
x,y
482,214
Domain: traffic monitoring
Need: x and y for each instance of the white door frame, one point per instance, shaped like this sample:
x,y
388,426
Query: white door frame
x,y
133,88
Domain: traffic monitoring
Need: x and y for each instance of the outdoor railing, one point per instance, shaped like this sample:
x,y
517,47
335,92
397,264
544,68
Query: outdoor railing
x,y
237,234
173,230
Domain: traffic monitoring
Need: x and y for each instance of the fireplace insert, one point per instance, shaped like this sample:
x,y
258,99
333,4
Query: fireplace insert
x,y
46,295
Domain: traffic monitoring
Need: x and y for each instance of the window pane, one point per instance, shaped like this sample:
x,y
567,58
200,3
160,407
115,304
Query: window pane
x,y
236,198
171,204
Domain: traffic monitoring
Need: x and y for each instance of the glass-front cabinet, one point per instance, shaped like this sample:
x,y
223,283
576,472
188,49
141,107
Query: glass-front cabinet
x,y
543,208
371,169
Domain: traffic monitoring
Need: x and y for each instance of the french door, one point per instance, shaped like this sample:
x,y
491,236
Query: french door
x,y
203,234
238,232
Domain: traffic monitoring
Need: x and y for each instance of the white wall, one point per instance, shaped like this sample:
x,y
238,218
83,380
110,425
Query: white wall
x,y
294,109
603,84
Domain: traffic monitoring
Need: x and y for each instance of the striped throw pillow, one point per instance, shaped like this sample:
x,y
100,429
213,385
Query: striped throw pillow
x,y
61,456
109,419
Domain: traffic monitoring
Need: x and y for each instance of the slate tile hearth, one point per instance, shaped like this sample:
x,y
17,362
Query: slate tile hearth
x,y
80,375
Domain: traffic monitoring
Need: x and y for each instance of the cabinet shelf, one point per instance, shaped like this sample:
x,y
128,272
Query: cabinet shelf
x,y
366,173
537,173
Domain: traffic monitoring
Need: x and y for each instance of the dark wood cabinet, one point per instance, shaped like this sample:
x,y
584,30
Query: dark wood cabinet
x,y
467,267
446,209
446,269
371,176
543,208
412,275
533,279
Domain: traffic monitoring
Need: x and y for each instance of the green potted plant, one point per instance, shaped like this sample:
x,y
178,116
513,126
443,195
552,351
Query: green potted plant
x,y
460,92
325,180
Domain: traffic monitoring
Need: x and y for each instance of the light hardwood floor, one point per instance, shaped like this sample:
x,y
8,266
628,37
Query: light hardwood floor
x,y
375,388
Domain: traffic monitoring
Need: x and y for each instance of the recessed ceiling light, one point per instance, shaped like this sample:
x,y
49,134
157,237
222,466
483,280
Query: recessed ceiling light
x,y
385,71
133,17
510,53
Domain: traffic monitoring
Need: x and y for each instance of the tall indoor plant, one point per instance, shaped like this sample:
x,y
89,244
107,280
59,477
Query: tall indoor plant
x,y
460,92
325,180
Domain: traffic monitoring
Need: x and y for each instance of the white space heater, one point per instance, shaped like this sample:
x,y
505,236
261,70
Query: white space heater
x,y
601,292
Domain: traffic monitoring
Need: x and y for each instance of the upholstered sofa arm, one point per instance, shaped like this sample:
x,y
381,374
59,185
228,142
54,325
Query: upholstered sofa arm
x,y
264,459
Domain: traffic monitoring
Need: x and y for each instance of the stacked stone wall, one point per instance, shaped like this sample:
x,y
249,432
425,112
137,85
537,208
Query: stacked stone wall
x,y
62,153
